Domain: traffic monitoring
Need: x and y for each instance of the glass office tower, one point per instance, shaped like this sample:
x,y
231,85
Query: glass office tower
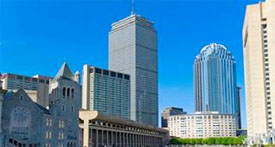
x,y
215,80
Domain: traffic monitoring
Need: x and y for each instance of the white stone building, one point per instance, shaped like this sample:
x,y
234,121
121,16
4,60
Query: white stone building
x,y
202,125
259,67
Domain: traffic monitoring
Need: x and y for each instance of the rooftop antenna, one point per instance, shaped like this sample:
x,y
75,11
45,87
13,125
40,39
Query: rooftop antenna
x,y
133,7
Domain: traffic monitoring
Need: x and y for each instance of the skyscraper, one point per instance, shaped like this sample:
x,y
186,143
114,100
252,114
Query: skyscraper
x,y
133,50
106,91
215,80
259,65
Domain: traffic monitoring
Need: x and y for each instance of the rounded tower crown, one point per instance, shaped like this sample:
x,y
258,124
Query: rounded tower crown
x,y
216,50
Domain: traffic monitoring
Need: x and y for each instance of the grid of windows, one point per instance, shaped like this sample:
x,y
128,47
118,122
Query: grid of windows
x,y
110,92
267,75
201,125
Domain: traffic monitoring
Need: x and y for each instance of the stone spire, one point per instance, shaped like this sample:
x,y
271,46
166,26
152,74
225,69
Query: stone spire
x,y
65,72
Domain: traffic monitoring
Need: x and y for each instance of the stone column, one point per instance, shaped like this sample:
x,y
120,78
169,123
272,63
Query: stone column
x,y
96,143
86,133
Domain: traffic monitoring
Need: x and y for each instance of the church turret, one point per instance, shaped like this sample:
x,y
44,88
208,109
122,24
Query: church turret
x,y
77,77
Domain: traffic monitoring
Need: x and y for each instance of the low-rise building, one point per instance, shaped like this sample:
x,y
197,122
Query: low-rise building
x,y
202,125
169,111
97,129
37,87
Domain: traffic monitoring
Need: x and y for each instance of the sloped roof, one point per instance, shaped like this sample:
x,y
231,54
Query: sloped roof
x,y
43,109
65,73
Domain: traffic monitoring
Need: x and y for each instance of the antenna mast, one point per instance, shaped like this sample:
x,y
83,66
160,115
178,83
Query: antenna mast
x,y
133,7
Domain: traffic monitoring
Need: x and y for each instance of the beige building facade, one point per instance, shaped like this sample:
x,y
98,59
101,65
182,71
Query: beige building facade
x,y
202,125
259,66
37,87
98,130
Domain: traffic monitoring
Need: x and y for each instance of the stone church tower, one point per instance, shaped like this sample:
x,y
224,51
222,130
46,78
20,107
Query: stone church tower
x,y
65,95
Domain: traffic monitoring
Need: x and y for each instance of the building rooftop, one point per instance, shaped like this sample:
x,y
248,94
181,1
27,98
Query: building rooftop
x,y
90,115
130,19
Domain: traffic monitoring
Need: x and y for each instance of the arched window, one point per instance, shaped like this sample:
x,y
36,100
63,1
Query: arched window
x,y
63,107
64,91
72,93
68,92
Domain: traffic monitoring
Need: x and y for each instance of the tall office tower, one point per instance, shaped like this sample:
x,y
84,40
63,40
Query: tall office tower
x,y
37,87
106,91
169,111
215,80
133,50
259,65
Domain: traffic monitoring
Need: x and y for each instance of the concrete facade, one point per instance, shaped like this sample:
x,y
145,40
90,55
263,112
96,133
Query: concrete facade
x,y
259,65
202,125
37,87
106,91
133,50
102,130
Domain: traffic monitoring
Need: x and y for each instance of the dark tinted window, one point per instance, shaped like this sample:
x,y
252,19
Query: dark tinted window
x,y
19,77
113,74
105,72
127,77
41,81
119,75
98,70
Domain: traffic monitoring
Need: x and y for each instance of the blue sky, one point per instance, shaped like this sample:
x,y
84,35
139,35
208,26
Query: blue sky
x,y
36,36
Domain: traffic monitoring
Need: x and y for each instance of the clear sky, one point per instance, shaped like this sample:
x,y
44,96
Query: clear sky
x,y
36,36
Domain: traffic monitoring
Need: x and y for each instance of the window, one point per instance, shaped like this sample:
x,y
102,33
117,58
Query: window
x,y
19,77
41,81
127,77
49,122
48,134
64,91
61,124
60,145
61,135
72,93
68,92
63,108
113,74
72,108
97,70
106,72
119,75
